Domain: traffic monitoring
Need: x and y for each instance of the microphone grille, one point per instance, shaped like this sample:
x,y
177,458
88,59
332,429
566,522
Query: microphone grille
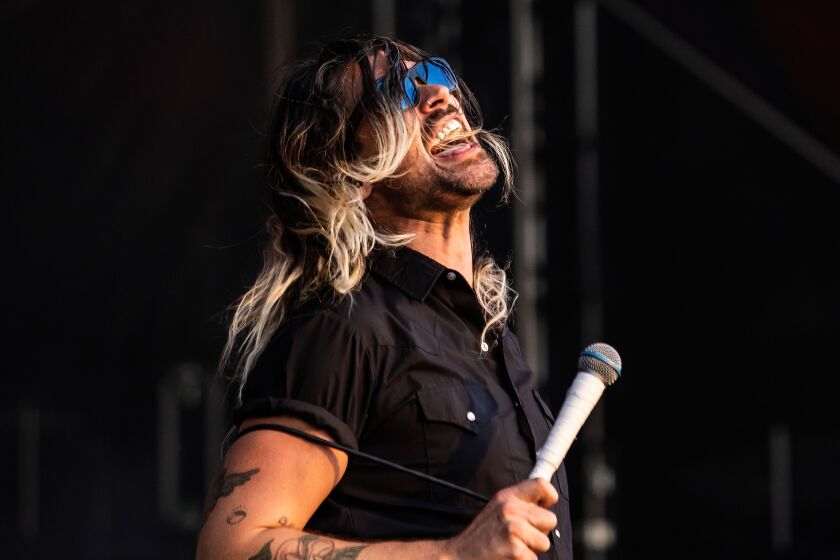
x,y
602,360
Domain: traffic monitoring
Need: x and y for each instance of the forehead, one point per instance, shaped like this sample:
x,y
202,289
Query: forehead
x,y
379,64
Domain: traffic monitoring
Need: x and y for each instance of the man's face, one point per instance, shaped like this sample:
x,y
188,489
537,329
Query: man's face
x,y
435,175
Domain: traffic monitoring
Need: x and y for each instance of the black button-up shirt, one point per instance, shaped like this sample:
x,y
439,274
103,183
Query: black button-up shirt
x,y
398,371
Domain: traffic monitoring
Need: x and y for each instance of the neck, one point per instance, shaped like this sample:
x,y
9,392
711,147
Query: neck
x,y
445,238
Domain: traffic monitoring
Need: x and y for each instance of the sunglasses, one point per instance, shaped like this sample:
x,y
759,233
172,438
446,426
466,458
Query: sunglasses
x,y
430,71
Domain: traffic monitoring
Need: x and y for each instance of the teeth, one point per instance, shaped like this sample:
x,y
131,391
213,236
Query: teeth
x,y
448,128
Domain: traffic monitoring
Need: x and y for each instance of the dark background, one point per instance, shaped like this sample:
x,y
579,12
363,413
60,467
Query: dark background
x,y
133,213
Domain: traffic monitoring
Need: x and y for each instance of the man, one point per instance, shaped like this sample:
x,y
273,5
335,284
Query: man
x,y
375,325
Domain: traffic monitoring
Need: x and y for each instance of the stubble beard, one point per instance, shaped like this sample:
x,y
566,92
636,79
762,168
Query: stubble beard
x,y
445,189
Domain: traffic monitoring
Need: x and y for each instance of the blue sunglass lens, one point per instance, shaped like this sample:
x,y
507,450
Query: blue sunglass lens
x,y
409,98
434,71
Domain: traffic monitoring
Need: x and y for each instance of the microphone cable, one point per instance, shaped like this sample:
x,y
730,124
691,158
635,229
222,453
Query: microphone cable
x,y
355,453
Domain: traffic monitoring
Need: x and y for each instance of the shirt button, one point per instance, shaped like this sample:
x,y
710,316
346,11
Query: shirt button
x,y
450,275
471,416
557,533
485,347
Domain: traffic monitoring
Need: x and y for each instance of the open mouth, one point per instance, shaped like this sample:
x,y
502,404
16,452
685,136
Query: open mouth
x,y
455,150
451,139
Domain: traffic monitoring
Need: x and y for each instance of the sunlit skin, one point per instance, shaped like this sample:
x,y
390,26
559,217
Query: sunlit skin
x,y
433,195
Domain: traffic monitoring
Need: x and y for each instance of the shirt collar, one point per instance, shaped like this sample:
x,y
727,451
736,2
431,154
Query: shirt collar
x,y
412,272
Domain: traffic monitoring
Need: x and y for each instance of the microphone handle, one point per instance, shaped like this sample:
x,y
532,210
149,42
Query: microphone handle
x,y
581,398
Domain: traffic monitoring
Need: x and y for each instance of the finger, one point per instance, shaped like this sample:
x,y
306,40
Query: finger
x,y
536,491
533,538
522,552
542,519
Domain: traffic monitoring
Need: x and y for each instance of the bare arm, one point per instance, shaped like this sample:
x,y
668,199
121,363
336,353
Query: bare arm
x,y
269,487
272,483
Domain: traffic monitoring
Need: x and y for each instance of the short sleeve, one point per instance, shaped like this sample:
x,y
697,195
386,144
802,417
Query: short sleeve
x,y
317,369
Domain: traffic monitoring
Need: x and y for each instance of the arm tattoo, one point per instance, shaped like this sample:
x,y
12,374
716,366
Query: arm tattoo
x,y
308,547
315,547
264,553
237,516
224,485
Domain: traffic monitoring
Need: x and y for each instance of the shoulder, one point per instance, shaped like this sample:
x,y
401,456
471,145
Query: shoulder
x,y
317,324
352,316
373,312
316,348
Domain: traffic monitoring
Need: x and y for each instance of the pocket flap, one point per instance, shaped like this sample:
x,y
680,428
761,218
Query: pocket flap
x,y
468,406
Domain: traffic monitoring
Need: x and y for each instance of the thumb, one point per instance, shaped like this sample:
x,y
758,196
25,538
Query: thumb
x,y
536,491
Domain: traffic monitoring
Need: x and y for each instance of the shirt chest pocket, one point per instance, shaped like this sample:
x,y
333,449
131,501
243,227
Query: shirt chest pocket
x,y
459,435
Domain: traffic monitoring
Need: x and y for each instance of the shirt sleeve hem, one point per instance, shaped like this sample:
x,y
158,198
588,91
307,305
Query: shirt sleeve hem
x,y
312,414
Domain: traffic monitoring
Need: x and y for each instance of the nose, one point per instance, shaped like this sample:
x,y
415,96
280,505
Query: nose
x,y
434,97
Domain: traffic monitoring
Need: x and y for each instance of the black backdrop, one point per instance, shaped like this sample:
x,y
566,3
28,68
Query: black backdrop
x,y
133,209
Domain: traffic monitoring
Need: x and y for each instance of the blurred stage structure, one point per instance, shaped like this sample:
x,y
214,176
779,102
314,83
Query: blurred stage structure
x,y
677,191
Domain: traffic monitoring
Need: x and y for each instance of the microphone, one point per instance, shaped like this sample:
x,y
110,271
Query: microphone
x,y
599,366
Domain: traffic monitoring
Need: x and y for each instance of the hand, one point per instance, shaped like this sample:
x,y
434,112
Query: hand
x,y
514,525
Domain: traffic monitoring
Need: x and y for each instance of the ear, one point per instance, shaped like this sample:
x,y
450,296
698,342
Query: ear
x,y
365,189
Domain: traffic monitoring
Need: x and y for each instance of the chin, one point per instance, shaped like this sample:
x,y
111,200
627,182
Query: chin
x,y
430,186
477,179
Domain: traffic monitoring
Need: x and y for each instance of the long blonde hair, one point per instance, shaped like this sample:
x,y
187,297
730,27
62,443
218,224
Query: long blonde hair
x,y
320,232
